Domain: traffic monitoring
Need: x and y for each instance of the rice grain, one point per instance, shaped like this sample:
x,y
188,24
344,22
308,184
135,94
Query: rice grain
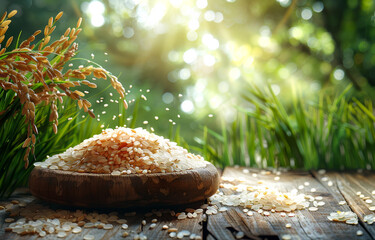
x,y
124,151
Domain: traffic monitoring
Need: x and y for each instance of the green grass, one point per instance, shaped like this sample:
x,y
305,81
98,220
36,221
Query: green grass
x,y
13,130
332,133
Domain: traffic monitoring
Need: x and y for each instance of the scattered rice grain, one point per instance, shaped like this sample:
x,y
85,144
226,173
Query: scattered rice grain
x,y
240,235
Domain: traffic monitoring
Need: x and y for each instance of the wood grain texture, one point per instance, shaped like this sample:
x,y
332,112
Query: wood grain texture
x,y
305,224
348,185
104,190
134,221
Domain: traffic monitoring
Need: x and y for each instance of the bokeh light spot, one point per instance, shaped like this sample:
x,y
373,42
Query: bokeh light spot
x,y
192,36
219,17
209,16
201,4
339,74
306,14
223,87
187,106
190,56
128,32
211,42
97,21
96,7
209,60
184,74
284,3
173,56
275,89
234,73
175,3
193,24
318,7
95,10
167,97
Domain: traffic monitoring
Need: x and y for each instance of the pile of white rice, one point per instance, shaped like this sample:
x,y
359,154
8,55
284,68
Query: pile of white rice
x,y
123,151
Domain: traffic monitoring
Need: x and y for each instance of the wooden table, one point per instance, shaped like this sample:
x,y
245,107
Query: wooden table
x,y
333,187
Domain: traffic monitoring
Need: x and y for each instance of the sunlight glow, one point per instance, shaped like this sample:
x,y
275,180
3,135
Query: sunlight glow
x,y
211,42
234,73
241,53
193,24
219,17
209,60
215,102
192,36
175,3
173,56
97,21
223,87
197,41
190,56
156,14
209,16
264,41
201,4
296,32
187,106
198,93
95,10
275,89
96,7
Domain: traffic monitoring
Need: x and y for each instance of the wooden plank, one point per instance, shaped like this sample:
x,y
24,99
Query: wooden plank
x,y
193,225
22,195
164,217
305,224
349,184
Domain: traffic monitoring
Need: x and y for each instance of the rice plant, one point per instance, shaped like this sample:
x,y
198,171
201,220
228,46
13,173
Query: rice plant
x,y
41,73
37,84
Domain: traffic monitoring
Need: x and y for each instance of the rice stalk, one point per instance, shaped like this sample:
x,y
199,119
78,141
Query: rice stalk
x,y
39,73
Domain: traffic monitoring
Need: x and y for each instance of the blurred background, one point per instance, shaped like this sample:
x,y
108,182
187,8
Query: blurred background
x,y
189,67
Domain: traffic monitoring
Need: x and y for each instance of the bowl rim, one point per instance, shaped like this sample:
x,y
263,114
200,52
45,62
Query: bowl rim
x,y
209,166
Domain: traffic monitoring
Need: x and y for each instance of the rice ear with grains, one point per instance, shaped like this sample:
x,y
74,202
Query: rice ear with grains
x,y
123,151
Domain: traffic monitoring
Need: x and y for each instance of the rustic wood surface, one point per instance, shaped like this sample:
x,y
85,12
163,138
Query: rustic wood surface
x,y
333,187
351,186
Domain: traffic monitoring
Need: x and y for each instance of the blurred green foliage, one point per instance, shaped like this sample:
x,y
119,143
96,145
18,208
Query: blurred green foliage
x,y
205,50
197,58
334,133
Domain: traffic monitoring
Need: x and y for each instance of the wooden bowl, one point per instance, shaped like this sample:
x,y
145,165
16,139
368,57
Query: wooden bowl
x,y
107,191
